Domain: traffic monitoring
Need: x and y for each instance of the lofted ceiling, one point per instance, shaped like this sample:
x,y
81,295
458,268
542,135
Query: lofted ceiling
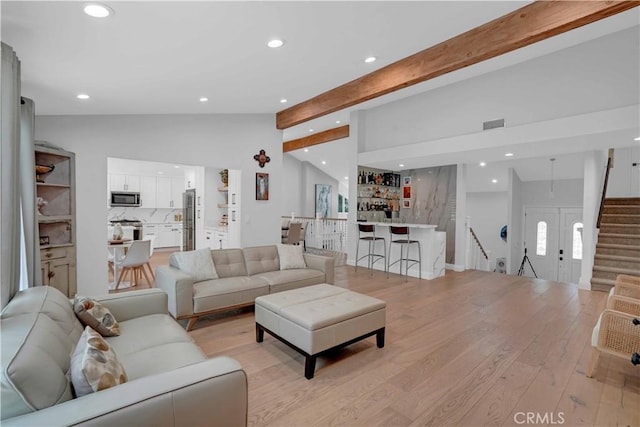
x,y
160,57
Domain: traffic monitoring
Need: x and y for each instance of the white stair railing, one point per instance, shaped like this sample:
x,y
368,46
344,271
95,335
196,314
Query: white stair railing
x,y
477,258
324,233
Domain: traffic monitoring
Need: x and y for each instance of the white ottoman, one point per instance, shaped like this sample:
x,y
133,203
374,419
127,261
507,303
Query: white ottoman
x,y
318,318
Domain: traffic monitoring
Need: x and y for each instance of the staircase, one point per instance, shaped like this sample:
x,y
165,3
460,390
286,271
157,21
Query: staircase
x,y
618,248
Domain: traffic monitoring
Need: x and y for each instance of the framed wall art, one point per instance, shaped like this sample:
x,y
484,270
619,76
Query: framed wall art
x,y
323,200
262,186
406,192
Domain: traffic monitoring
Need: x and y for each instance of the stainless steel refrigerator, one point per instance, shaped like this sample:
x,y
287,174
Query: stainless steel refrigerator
x,y
189,220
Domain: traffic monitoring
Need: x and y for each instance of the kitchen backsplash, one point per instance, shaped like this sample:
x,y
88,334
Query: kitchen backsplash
x,y
144,214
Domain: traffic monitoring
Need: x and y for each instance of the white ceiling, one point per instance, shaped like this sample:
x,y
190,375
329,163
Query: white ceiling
x,y
160,57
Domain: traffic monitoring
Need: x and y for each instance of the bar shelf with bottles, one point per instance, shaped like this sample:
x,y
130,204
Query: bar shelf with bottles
x,y
378,194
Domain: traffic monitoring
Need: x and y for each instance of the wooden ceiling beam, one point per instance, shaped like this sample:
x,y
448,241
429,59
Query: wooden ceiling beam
x,y
532,23
316,138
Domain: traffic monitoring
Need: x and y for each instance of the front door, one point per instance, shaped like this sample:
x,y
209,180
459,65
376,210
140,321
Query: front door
x,y
553,243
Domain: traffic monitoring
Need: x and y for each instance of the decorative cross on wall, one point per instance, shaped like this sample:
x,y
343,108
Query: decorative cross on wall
x,y
262,158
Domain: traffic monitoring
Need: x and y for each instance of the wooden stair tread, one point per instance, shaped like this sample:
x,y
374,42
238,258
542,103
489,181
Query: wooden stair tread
x,y
600,281
624,236
618,270
618,246
614,224
622,200
617,257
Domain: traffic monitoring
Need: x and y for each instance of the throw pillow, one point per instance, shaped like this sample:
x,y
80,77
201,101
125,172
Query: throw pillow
x,y
94,365
92,313
291,257
197,264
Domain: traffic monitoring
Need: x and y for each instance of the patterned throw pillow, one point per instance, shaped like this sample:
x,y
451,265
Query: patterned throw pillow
x,y
94,365
92,313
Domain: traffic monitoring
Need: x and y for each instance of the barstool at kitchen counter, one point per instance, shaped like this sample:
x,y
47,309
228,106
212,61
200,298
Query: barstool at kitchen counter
x,y
405,244
369,231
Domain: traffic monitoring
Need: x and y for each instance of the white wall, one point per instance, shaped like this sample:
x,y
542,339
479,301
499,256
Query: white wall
x,y
291,186
488,213
311,176
594,170
544,88
515,217
228,141
624,178
566,192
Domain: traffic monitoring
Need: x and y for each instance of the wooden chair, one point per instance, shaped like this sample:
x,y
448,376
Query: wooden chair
x,y
133,263
614,334
626,286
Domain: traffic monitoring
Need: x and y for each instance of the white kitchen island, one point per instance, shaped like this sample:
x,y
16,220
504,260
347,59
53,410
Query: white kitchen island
x,y
432,242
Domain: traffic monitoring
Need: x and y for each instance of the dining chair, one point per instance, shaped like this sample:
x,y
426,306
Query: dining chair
x,y
151,238
293,237
133,263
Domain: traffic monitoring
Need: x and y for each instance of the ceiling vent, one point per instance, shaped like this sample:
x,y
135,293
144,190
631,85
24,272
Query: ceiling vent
x,y
492,124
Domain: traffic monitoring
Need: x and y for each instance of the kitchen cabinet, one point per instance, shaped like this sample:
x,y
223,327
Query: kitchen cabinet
x,y
234,209
122,182
169,235
216,238
55,204
169,192
148,190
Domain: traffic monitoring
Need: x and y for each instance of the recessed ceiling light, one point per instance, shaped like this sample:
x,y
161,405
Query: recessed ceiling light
x,y
401,165
310,130
370,59
160,172
346,177
636,139
204,99
275,43
98,10
337,122
483,164
176,166
283,101
324,163
508,155
306,150
494,180
83,96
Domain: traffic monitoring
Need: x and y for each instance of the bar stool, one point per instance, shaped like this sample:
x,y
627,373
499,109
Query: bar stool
x,y
371,239
404,243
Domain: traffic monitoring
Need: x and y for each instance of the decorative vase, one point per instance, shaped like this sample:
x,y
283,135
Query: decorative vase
x,y
117,232
224,176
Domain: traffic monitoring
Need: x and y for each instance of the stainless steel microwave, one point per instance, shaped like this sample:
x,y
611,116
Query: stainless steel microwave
x,y
125,198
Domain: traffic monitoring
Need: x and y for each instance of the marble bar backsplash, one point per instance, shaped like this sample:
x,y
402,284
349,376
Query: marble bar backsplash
x,y
144,215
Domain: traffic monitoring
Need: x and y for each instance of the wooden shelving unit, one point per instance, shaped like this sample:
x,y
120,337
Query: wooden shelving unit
x,y
55,199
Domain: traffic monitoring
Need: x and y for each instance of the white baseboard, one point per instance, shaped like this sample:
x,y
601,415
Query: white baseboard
x,y
455,267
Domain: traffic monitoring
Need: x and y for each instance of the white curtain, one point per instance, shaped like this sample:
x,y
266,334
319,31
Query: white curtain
x,y
30,250
10,223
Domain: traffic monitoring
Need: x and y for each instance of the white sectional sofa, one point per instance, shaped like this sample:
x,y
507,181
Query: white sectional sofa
x,y
242,276
170,381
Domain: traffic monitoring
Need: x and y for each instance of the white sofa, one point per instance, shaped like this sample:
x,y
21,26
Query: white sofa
x,y
170,381
243,275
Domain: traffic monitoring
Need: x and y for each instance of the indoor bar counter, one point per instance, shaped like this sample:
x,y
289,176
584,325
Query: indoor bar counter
x,y
432,242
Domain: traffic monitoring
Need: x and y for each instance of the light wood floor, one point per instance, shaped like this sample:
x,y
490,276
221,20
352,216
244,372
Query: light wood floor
x,y
469,349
